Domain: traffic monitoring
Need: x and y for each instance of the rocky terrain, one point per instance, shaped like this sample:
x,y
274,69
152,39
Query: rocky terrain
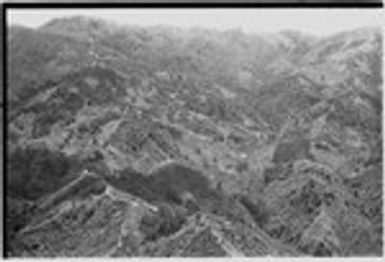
x,y
158,141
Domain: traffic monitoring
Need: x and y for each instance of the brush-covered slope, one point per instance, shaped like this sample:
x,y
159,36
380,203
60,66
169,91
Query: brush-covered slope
x,y
158,141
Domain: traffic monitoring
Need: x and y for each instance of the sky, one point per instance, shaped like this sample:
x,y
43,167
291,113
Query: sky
x,y
313,21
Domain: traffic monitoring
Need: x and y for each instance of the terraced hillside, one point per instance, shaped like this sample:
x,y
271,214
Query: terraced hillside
x,y
158,141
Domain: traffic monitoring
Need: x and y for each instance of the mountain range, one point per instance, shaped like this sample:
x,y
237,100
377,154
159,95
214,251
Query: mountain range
x,y
161,141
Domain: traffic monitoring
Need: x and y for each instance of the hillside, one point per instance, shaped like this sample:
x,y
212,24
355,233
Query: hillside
x,y
158,141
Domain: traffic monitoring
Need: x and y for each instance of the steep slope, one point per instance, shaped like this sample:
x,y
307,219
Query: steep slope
x,y
200,143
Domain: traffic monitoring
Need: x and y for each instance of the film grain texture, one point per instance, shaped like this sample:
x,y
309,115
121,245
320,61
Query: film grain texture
x,y
159,141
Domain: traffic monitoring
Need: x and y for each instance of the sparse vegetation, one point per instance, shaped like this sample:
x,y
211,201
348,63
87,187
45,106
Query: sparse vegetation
x,y
166,221
274,142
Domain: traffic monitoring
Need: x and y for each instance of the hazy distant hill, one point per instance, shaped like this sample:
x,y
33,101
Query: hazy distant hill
x,y
131,141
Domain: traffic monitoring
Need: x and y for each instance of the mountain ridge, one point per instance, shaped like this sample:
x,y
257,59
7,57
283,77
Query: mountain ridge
x,y
270,135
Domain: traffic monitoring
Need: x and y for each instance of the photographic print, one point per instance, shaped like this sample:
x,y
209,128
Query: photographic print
x,y
194,133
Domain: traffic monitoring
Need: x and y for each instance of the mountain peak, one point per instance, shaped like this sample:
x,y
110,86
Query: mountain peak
x,y
78,26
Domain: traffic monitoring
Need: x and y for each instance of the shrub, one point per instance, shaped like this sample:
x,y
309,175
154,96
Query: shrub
x,y
168,184
242,166
166,221
35,172
291,151
257,211
277,172
135,183
308,200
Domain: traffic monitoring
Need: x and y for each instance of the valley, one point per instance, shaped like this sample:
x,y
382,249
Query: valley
x,y
130,141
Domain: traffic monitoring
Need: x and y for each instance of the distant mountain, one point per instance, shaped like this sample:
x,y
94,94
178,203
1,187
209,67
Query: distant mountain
x,y
157,141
